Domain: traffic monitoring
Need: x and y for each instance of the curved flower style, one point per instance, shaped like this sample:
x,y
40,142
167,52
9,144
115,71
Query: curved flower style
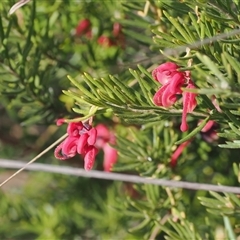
x,y
178,152
103,139
172,81
81,139
189,103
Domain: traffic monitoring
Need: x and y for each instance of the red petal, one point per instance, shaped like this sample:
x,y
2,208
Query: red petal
x,y
164,72
60,121
157,98
102,131
89,158
82,143
176,82
69,146
92,136
168,98
74,128
58,153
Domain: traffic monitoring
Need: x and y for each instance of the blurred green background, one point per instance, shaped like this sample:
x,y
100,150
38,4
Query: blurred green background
x,y
40,45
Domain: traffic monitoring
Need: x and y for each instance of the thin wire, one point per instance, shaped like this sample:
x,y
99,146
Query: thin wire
x,y
202,42
117,176
34,159
173,51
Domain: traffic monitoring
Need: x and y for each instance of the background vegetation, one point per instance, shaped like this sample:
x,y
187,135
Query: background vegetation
x,y
40,47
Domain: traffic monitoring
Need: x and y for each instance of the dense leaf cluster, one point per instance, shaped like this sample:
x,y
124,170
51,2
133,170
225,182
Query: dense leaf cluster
x,y
46,72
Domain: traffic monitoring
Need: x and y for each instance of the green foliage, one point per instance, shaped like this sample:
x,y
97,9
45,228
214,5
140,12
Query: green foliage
x,y
183,230
64,214
47,72
38,50
229,204
148,152
132,104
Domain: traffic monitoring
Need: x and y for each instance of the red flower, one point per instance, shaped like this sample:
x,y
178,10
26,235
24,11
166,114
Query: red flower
x,y
67,149
105,41
74,129
172,80
81,139
84,28
103,139
166,96
165,72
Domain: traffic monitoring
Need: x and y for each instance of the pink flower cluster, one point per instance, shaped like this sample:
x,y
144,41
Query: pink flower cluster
x,y
117,38
84,28
86,140
172,81
81,139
